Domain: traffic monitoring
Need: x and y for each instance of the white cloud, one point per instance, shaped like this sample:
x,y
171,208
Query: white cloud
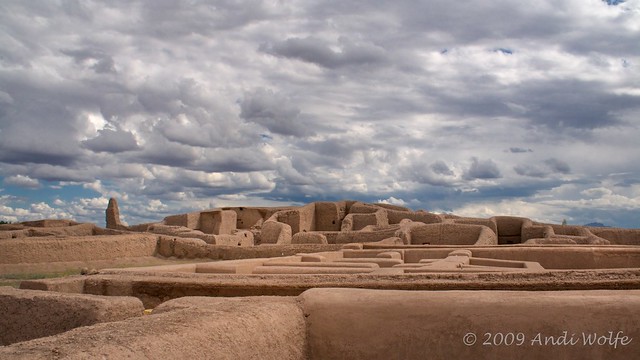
x,y
22,181
393,201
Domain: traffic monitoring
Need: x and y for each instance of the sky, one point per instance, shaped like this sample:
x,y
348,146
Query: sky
x,y
477,108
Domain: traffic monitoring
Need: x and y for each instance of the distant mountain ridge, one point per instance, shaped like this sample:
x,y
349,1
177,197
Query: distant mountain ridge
x,y
596,224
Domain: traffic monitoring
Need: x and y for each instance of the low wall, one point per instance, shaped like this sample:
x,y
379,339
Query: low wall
x,y
30,314
187,328
452,234
370,324
77,248
490,223
618,236
510,229
550,257
366,324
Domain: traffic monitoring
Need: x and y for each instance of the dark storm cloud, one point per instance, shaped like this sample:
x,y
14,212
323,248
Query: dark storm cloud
x,y
169,18
531,171
440,167
557,104
547,168
482,169
318,52
112,141
558,166
273,111
576,104
38,130
95,59
519,150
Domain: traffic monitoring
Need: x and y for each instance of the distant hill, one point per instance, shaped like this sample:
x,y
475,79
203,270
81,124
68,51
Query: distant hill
x,y
596,224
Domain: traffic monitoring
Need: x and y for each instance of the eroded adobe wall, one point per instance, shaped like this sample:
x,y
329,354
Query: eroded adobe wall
x,y
509,229
329,215
218,222
364,324
299,219
372,324
490,223
450,234
250,216
556,257
618,236
419,216
187,328
76,248
359,221
53,231
189,220
30,314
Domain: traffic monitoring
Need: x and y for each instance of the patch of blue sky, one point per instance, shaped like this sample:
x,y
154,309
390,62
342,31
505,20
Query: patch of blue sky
x,y
47,192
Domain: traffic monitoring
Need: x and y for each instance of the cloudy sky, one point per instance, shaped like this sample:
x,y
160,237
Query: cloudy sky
x,y
480,108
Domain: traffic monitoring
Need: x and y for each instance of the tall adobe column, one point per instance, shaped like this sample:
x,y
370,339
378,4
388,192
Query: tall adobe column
x,y
113,215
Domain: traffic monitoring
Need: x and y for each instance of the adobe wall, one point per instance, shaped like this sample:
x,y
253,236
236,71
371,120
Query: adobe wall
x,y
30,314
554,257
187,328
53,231
246,217
371,324
365,324
535,231
618,236
189,220
509,229
490,223
218,222
420,216
77,248
569,230
300,219
329,215
358,221
451,234
393,207
345,237
362,208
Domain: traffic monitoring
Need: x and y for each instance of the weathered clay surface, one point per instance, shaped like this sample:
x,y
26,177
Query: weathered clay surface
x,y
30,314
364,324
189,328
369,324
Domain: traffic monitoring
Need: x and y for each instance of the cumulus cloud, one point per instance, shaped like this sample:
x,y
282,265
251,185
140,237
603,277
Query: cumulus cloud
x,y
518,150
558,165
274,112
22,181
482,169
113,141
548,167
318,52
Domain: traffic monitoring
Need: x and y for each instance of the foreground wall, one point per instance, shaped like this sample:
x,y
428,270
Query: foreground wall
x,y
187,328
30,314
365,324
370,324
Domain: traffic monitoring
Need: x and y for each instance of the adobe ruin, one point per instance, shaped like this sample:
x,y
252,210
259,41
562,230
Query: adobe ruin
x,y
325,280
